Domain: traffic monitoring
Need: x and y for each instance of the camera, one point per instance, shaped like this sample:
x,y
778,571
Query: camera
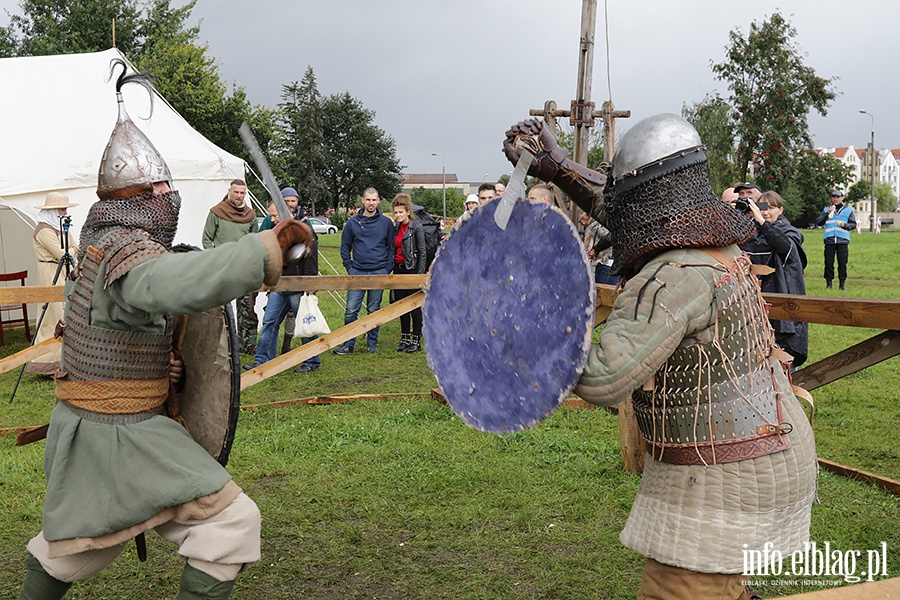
x,y
743,205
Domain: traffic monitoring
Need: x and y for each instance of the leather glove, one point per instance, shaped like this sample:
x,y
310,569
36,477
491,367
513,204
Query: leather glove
x,y
295,238
532,135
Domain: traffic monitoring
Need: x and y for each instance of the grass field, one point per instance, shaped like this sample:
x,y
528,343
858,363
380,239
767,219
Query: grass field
x,y
397,499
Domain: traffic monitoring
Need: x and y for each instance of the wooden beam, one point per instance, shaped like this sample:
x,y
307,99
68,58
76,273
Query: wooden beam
x,y
31,294
28,354
335,338
854,312
350,282
334,399
856,358
884,483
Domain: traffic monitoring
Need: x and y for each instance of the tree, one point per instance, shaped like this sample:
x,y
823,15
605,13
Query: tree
x,y
62,27
302,140
772,93
861,191
433,201
814,179
358,153
710,117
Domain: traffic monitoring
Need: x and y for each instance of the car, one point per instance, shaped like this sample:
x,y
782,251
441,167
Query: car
x,y
321,225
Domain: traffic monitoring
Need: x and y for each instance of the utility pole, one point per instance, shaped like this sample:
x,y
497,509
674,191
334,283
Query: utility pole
x,y
582,114
581,117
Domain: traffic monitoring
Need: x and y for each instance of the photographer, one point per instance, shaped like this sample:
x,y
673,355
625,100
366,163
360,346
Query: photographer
x,y
778,244
50,240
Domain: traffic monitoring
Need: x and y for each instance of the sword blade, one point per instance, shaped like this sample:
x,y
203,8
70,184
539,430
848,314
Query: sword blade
x,y
263,166
515,189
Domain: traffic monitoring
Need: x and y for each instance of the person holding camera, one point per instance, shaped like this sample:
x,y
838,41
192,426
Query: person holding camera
x,y
839,221
779,245
50,240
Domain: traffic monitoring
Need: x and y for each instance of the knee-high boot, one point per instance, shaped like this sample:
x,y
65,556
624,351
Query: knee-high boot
x,y
39,585
197,585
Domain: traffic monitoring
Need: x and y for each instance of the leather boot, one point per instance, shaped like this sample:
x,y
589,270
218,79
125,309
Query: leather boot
x,y
843,284
39,585
404,342
414,343
827,284
286,344
197,585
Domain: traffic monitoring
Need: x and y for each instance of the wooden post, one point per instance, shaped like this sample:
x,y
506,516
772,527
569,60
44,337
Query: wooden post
x,y
582,108
549,116
609,115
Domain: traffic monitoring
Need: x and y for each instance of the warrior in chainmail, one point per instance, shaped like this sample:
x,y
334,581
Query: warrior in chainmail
x,y
730,463
116,464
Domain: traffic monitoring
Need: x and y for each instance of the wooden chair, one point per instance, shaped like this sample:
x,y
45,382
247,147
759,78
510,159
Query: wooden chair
x,y
6,323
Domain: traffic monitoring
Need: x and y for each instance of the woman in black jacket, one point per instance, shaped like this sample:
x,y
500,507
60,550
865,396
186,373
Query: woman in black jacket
x,y
778,244
409,257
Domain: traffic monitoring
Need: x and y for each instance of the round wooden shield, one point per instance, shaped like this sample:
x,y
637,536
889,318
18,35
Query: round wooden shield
x,y
508,316
211,398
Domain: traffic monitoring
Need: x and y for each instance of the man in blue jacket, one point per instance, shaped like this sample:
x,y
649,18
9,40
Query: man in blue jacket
x,y
839,221
366,245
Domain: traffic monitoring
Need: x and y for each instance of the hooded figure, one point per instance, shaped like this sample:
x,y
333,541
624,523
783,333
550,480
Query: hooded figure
x,y
730,464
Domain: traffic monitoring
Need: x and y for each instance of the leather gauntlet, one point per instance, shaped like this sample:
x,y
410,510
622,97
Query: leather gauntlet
x,y
551,163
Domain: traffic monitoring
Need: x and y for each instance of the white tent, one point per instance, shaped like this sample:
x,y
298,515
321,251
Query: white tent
x,y
56,115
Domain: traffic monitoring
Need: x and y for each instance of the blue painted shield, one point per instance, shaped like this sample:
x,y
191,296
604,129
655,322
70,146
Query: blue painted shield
x,y
508,316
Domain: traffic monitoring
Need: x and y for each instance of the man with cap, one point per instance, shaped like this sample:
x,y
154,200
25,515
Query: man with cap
x,y
730,465
839,221
283,306
115,464
50,241
748,190
228,221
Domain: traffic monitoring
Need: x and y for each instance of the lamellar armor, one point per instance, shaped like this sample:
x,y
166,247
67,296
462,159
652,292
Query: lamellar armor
x,y
713,401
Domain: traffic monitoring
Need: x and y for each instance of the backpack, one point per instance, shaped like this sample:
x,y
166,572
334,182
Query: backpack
x,y
433,234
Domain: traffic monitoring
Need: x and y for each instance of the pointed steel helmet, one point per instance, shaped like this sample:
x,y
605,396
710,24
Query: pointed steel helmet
x,y
652,141
131,164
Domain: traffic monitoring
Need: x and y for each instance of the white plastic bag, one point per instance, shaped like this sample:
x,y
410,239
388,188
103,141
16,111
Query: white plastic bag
x,y
310,320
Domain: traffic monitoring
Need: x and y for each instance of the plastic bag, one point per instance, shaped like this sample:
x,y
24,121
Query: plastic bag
x,y
310,320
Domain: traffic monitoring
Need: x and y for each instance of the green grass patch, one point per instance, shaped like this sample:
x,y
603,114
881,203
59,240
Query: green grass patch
x,y
397,499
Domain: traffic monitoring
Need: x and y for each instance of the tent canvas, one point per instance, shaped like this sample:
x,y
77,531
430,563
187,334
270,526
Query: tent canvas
x,y
56,114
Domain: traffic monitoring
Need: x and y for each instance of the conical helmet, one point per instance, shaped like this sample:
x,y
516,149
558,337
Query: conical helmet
x,y
131,164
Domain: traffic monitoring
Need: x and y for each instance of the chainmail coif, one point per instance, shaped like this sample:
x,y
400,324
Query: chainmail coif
x,y
677,209
157,214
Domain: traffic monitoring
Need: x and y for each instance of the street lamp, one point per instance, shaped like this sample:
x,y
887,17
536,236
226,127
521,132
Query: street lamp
x,y
872,201
443,182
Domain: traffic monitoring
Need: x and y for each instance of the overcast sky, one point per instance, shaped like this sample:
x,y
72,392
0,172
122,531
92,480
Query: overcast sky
x,y
451,77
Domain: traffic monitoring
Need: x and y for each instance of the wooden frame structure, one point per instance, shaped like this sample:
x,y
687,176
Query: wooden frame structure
x,y
876,314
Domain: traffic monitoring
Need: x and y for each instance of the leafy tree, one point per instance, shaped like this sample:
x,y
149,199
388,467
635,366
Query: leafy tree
x,y
433,201
710,117
358,153
814,178
772,93
61,27
861,191
302,139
